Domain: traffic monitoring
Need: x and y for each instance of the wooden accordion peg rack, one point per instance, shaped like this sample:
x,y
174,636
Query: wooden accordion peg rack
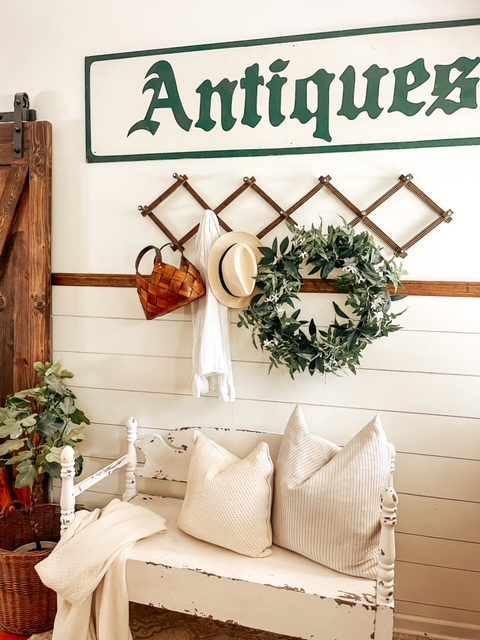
x,y
285,214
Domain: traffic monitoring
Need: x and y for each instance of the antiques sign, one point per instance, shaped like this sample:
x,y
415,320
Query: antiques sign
x,y
377,88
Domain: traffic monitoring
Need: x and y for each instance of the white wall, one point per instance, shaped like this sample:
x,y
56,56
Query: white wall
x,y
424,380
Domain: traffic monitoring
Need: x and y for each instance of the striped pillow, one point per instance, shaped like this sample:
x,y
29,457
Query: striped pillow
x,y
327,498
228,500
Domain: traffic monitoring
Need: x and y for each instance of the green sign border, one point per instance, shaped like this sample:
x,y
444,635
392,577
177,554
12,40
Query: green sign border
x,y
236,153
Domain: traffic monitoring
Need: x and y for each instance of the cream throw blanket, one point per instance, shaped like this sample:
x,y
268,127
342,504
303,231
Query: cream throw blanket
x,y
87,570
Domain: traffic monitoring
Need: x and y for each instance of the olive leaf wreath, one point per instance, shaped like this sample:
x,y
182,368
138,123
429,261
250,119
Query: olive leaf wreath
x,y
365,277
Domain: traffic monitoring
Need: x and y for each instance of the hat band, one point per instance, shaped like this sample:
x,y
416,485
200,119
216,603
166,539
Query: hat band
x,y
220,273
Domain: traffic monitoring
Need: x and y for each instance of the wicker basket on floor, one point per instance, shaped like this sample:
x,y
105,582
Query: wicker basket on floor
x,y
26,605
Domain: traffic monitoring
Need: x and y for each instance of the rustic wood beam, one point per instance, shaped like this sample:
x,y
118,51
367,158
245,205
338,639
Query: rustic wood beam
x,y
409,287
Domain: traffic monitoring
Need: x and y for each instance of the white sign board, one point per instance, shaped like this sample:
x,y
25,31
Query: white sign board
x,y
377,88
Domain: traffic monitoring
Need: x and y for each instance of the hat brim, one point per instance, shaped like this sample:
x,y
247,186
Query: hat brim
x,y
216,252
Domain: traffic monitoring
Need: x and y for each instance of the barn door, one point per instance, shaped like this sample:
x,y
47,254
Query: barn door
x,y
25,212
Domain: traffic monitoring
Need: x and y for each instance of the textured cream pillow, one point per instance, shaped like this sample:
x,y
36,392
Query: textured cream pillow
x,y
327,498
228,500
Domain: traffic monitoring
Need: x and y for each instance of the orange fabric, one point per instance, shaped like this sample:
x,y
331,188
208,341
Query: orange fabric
x,y
6,495
10,636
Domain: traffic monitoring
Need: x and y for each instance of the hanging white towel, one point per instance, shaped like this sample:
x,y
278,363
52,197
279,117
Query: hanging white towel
x,y
212,367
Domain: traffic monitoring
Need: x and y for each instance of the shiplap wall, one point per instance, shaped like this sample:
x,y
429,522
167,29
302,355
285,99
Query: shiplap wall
x,y
424,381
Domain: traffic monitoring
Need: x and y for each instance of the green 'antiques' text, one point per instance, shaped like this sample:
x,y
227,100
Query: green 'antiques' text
x,y
452,87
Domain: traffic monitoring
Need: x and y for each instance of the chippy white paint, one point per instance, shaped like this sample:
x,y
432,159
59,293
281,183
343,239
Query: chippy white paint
x,y
284,593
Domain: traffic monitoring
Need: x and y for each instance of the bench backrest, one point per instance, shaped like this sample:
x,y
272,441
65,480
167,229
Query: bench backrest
x,y
167,456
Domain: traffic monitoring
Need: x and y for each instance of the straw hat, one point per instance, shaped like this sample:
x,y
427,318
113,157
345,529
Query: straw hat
x,y
232,268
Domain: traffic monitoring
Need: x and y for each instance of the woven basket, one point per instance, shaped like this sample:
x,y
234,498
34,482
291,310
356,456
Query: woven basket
x,y
168,287
26,605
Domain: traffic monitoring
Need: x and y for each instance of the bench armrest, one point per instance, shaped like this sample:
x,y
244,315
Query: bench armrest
x,y
70,490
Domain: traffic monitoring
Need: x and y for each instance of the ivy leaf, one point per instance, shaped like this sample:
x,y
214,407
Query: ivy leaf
x,y
11,429
26,476
54,455
48,424
67,405
78,417
53,469
11,445
19,457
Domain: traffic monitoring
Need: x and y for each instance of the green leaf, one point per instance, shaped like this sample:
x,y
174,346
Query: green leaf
x,y
364,283
67,405
78,465
48,424
26,476
19,457
351,340
53,469
74,435
11,429
284,245
11,445
54,455
339,311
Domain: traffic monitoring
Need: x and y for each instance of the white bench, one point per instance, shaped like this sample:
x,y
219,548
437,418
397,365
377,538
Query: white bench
x,y
283,593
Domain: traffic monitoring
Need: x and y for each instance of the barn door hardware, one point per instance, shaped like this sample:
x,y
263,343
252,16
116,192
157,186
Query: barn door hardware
x,y
21,113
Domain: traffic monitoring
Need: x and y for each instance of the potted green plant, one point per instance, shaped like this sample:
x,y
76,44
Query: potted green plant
x,y
35,425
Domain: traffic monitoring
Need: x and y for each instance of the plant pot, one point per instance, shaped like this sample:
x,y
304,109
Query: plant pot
x,y
26,605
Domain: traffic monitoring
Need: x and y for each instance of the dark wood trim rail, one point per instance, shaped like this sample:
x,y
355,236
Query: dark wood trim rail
x,y
409,287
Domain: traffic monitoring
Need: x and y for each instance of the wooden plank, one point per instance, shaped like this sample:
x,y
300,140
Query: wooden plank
x,y
421,313
455,353
438,552
439,518
415,474
438,477
93,280
6,143
374,390
409,287
438,586
5,153
433,518
9,198
429,435
418,610
33,300
6,135
40,192
7,309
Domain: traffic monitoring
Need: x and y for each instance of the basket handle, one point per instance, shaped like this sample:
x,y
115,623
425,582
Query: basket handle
x,y
158,253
